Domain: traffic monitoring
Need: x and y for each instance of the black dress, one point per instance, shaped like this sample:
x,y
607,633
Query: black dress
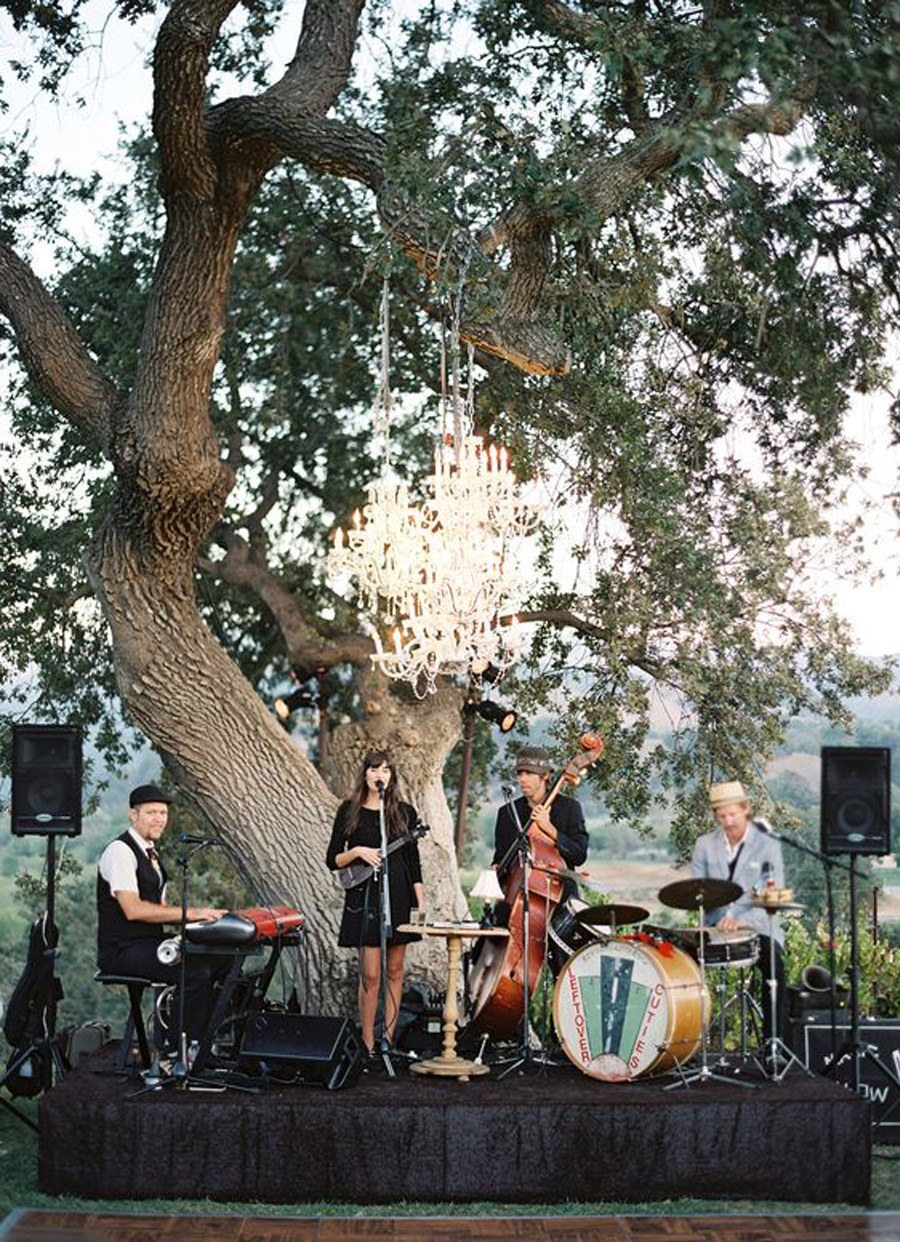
x,y
361,921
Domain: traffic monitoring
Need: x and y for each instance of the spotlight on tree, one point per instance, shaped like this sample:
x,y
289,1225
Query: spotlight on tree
x,y
503,717
293,702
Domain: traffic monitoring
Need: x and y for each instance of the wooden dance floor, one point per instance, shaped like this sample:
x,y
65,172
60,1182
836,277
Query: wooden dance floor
x,y
46,1226
537,1138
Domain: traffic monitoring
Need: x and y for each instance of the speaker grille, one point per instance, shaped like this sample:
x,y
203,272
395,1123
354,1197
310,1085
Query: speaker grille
x,y
46,780
855,808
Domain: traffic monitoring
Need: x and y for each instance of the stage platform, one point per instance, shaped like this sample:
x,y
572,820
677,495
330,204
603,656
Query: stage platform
x,y
543,1137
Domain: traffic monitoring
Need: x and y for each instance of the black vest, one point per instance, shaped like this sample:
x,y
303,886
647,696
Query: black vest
x,y
114,931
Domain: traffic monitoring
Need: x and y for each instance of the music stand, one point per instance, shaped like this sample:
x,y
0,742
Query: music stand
x,y
700,895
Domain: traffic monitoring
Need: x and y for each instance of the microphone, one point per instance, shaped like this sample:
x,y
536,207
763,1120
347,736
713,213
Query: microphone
x,y
379,785
764,826
187,838
507,792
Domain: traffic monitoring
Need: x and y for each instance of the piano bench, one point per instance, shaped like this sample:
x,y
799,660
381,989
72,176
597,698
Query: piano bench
x,y
134,1026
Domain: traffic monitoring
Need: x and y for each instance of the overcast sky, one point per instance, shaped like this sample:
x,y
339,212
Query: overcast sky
x,y
113,82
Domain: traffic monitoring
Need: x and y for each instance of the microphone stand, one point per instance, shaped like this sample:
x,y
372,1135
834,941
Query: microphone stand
x,y
180,1074
524,1060
385,932
829,863
852,1046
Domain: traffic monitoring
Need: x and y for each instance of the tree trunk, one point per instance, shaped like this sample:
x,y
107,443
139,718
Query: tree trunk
x,y
244,776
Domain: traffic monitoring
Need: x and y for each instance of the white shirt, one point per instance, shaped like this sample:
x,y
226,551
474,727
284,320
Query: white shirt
x,y
118,865
733,849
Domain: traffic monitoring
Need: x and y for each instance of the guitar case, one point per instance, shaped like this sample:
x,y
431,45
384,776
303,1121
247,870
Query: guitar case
x,y
25,1023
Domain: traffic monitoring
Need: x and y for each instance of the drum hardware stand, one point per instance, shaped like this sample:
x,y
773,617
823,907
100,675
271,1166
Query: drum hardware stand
x,y
778,1057
748,1007
703,1073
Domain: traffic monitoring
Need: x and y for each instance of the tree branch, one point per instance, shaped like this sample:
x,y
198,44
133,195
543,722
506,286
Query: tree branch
x,y
180,66
56,360
305,647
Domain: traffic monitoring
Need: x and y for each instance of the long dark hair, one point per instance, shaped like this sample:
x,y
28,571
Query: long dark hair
x,y
394,818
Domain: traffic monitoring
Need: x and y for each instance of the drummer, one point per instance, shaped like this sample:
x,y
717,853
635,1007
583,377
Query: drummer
x,y
739,851
561,826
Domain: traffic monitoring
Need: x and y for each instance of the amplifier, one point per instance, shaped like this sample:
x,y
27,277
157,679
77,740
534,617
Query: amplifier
x,y
812,1044
309,1048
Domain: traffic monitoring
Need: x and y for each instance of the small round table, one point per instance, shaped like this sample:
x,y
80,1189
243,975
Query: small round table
x,y
449,1064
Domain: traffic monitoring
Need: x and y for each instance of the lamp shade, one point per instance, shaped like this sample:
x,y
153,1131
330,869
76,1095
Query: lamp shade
x,y
487,886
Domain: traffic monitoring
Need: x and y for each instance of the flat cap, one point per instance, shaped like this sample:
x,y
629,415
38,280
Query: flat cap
x,y
534,759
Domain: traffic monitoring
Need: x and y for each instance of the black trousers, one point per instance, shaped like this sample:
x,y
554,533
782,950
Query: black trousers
x,y
202,973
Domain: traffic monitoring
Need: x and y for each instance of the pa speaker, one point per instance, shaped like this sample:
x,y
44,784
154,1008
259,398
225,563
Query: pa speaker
x,y
856,800
46,780
310,1049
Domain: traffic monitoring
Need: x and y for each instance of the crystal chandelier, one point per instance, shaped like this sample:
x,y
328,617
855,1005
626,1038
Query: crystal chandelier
x,y
443,573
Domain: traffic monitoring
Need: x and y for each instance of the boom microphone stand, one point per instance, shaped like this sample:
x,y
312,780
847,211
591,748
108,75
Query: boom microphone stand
x,y
525,1060
385,932
854,1046
181,1075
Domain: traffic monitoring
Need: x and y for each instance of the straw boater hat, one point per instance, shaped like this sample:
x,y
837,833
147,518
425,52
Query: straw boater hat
x,y
726,793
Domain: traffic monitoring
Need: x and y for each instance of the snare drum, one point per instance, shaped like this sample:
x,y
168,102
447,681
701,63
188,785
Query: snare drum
x,y
623,1009
730,950
566,934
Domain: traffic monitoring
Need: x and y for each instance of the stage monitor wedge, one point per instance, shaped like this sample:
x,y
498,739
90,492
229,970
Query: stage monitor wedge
x,y
46,780
856,800
309,1048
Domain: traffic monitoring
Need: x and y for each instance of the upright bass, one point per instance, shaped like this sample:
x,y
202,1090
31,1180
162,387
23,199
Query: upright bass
x,y
497,980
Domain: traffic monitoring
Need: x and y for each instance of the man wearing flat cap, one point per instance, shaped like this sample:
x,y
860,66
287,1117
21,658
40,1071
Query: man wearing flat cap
x,y
131,910
739,849
561,826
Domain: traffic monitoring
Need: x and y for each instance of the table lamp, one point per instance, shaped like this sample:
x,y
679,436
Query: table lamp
x,y
487,887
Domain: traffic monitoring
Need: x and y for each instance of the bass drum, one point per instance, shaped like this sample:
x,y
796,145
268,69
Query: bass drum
x,y
623,1009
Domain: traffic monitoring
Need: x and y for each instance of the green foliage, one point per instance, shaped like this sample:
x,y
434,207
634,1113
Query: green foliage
x,y
721,312
879,961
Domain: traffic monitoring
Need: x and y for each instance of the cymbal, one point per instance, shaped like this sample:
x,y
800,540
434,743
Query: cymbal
x,y
611,916
564,873
691,894
777,907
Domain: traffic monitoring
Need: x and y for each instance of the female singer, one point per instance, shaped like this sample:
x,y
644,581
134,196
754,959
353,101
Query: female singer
x,y
356,837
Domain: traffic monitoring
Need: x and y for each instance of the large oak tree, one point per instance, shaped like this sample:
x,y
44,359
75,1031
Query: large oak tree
x,y
670,232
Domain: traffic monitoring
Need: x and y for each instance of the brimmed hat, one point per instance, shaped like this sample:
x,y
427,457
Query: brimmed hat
x,y
725,793
534,759
148,793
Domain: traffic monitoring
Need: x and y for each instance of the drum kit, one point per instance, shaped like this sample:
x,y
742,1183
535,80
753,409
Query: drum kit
x,y
632,1000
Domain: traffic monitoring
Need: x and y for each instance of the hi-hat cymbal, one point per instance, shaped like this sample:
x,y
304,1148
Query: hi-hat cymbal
x,y
691,894
611,916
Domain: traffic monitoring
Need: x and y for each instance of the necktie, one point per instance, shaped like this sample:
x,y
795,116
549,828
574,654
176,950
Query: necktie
x,y
153,856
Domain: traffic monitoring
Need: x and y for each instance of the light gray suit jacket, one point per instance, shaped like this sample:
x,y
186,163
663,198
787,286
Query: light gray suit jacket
x,y
710,861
